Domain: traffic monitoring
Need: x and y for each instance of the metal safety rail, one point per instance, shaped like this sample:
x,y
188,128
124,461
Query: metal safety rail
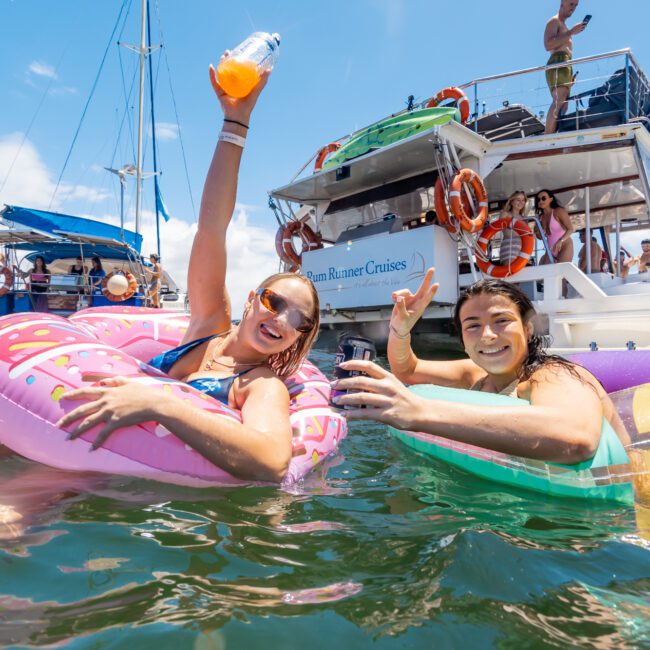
x,y
528,87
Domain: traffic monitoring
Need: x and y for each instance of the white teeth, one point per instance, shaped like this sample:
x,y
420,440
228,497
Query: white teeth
x,y
493,350
273,332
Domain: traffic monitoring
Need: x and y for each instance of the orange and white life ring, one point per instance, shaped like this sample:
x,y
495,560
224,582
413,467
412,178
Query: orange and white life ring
x,y
323,153
453,93
442,211
129,293
458,204
8,281
285,247
520,227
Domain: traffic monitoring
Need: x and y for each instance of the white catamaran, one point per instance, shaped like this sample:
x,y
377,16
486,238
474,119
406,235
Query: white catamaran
x,y
365,222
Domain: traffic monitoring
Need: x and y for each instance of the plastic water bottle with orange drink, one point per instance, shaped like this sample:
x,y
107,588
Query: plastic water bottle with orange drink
x,y
241,70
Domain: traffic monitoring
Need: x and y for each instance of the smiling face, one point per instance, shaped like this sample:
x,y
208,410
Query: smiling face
x,y
270,333
518,203
543,201
494,334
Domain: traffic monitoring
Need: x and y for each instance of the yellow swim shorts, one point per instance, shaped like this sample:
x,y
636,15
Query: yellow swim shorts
x,y
559,76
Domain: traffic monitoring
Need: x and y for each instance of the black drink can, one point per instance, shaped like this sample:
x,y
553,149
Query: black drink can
x,y
350,348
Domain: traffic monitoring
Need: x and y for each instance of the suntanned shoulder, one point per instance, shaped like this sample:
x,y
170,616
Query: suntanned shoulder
x,y
552,30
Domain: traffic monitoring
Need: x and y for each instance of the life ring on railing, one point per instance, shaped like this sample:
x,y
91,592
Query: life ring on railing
x,y
527,247
459,205
452,92
323,153
129,293
8,281
284,245
442,211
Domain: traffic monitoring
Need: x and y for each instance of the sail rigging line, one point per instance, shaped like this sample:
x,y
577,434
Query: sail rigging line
x,y
127,101
125,115
90,96
31,123
153,134
178,126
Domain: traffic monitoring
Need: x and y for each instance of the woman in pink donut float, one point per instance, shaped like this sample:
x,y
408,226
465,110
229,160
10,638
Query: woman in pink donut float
x,y
241,366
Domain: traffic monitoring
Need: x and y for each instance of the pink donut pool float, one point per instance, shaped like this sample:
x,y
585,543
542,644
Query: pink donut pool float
x,y
43,355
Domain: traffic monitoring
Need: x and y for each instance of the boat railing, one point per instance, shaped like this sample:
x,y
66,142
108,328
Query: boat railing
x,y
591,100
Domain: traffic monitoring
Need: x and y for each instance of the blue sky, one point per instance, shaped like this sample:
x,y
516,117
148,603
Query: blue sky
x,y
343,64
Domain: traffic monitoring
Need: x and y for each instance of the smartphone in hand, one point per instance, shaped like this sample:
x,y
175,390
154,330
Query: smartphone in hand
x,y
586,19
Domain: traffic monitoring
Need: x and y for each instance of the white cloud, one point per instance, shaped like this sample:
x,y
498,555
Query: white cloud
x,y
166,131
30,182
250,250
63,90
42,69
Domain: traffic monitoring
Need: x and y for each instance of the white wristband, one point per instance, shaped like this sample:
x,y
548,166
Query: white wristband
x,y
232,138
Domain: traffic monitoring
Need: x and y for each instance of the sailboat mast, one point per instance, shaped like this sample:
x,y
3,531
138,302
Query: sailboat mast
x,y
138,171
153,135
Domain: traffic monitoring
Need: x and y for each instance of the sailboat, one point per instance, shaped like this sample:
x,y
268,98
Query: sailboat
x,y
65,242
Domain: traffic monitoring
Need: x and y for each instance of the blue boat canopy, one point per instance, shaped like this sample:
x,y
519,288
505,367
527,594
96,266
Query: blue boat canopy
x,y
73,229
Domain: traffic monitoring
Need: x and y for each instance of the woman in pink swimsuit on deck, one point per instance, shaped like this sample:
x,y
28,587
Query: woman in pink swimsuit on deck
x,y
557,227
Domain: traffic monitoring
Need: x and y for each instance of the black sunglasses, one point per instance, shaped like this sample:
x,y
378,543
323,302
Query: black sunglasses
x,y
278,305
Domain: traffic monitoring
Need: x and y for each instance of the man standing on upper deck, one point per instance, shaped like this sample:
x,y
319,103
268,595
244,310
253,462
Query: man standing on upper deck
x,y
558,40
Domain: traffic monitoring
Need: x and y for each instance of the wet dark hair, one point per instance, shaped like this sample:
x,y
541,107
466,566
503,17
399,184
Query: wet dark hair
x,y
554,202
287,362
537,356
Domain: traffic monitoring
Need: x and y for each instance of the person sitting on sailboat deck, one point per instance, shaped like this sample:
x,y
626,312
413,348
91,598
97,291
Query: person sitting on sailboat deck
x,y
495,322
156,280
79,270
516,207
557,227
243,365
96,275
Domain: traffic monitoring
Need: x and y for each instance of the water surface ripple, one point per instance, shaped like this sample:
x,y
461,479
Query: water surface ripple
x,y
379,549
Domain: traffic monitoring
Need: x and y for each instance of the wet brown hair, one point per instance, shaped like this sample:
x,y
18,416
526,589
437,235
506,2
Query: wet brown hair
x,y
537,356
287,362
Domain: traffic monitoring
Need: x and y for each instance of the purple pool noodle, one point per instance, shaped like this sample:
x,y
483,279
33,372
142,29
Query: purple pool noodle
x,y
616,369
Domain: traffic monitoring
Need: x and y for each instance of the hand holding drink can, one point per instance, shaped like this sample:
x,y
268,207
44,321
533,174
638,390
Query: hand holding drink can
x,y
350,348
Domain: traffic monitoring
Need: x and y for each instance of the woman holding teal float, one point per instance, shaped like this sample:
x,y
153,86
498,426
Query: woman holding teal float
x,y
561,414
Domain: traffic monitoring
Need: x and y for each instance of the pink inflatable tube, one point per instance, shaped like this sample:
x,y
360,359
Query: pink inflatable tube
x,y
43,356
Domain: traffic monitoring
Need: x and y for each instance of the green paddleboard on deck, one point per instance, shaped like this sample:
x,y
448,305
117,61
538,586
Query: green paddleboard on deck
x,y
605,477
390,131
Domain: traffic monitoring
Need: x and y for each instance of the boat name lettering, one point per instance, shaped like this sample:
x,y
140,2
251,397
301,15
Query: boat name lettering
x,y
372,267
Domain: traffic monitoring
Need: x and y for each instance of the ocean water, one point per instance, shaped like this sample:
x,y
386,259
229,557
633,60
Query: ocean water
x,y
381,548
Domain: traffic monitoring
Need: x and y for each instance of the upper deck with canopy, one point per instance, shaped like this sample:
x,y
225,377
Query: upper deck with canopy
x,y
598,164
